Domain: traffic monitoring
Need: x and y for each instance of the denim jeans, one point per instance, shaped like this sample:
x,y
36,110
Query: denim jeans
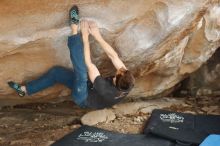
x,y
75,79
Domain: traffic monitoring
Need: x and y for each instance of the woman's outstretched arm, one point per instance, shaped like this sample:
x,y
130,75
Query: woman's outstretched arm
x,y
93,71
111,53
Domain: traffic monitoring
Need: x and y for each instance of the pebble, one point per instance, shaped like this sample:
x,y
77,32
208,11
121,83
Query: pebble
x,y
75,126
36,119
1,139
17,125
138,120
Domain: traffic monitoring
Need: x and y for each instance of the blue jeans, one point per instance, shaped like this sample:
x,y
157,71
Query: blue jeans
x,y
75,79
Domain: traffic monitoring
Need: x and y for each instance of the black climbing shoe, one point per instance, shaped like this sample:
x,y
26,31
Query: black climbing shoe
x,y
17,88
74,15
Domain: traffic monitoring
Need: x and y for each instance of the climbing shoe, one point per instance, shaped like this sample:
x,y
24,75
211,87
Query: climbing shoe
x,y
74,15
17,88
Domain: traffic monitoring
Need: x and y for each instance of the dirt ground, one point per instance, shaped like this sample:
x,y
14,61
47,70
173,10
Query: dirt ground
x,y
41,124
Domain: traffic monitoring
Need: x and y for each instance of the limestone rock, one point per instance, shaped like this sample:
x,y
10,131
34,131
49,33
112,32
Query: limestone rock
x,y
132,108
160,41
98,116
144,106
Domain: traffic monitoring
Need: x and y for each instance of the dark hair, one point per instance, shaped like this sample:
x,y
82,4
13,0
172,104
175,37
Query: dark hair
x,y
124,80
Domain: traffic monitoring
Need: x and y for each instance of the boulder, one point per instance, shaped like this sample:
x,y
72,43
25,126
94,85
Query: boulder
x,y
98,116
160,41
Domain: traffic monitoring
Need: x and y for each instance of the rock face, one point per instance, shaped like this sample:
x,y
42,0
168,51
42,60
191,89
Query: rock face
x,y
205,81
161,41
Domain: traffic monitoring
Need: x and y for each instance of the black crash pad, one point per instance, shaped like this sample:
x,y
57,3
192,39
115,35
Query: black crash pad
x,y
91,136
182,127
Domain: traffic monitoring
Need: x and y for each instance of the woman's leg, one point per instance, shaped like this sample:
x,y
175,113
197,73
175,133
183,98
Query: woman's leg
x,y
55,75
77,79
75,44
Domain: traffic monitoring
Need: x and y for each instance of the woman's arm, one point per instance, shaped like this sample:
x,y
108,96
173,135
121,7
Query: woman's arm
x,y
111,53
92,69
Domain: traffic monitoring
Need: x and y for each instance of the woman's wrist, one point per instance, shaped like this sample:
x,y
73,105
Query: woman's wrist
x,y
86,41
98,38
85,37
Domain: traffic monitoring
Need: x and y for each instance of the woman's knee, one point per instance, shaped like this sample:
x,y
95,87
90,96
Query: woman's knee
x,y
82,76
56,70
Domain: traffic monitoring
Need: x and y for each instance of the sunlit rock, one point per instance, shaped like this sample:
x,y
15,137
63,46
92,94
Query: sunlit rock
x,y
161,42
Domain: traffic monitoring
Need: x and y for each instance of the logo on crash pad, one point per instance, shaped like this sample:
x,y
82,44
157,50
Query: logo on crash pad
x,y
172,118
95,137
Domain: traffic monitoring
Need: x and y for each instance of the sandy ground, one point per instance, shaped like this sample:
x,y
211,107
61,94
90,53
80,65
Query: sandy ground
x,y
41,124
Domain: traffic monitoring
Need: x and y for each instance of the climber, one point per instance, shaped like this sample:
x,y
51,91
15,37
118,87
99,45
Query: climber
x,y
97,92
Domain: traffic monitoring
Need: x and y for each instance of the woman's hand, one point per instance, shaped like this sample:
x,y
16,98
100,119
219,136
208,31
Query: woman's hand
x,y
84,29
94,30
